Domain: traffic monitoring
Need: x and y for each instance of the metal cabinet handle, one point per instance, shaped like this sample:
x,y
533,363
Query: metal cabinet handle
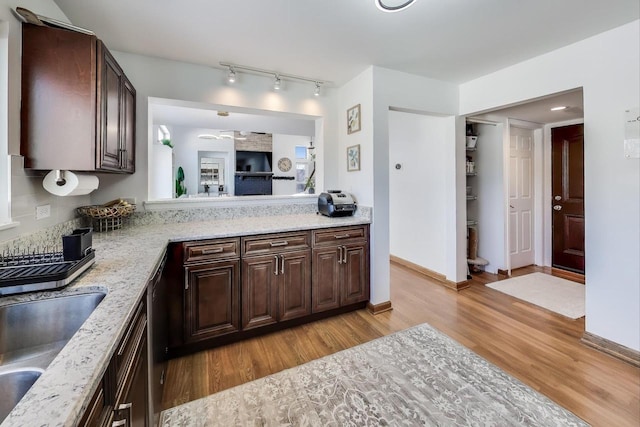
x,y
124,406
278,244
276,270
342,236
211,251
344,256
557,208
281,264
339,254
119,423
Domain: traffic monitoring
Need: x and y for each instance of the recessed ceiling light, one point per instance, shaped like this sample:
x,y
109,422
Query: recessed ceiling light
x,y
561,107
393,5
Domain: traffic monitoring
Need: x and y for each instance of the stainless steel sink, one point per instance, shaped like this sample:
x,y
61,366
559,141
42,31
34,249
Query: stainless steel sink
x,y
14,385
31,335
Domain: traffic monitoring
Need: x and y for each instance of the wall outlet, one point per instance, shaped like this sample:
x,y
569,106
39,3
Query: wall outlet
x,y
43,211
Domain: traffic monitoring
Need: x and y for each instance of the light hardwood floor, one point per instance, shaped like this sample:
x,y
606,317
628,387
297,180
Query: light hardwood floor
x,y
538,347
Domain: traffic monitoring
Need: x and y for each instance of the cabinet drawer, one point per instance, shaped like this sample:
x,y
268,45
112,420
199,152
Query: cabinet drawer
x,y
333,236
262,245
131,342
211,250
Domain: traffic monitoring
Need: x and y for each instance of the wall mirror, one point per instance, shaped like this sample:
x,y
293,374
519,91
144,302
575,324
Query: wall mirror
x,y
224,151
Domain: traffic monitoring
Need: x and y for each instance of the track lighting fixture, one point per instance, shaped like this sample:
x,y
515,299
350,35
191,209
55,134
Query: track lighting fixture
x,y
232,75
278,77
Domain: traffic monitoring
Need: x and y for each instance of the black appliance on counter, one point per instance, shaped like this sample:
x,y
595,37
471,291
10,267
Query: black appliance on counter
x,y
30,271
336,203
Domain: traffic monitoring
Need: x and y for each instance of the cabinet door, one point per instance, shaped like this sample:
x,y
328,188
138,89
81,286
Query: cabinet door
x,y
109,83
98,413
132,407
211,300
294,291
128,126
260,291
325,292
355,274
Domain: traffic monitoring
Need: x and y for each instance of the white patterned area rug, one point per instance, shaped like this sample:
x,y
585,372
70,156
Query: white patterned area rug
x,y
416,377
553,293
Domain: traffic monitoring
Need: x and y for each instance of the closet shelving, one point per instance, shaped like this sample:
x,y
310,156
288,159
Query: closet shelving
x,y
475,262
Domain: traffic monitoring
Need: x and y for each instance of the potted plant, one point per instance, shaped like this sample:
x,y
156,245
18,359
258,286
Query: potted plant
x,y
181,189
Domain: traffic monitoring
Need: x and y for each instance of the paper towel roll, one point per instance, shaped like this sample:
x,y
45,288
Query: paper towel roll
x,y
72,184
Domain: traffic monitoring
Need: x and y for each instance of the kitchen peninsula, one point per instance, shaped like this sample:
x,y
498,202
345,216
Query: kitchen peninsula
x,y
125,262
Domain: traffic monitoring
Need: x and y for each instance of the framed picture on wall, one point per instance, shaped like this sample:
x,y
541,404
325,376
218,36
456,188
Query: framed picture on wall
x,y
353,119
353,158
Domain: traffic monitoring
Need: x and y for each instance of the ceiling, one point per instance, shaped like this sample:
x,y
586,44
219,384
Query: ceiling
x,y
334,40
200,117
539,110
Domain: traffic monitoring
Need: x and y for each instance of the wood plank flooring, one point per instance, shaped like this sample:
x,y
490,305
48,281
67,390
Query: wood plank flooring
x,y
540,348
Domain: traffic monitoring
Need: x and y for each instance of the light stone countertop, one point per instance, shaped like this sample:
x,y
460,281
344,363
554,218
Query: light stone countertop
x,y
125,261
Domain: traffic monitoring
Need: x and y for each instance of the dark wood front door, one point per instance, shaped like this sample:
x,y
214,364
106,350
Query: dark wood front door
x,y
567,163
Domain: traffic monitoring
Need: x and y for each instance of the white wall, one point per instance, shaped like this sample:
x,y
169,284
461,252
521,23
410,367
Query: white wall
x,y
25,186
186,146
285,146
377,90
161,78
405,92
161,185
607,66
417,198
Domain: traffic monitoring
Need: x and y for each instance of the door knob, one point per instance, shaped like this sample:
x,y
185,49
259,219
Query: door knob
x,y
557,208
558,198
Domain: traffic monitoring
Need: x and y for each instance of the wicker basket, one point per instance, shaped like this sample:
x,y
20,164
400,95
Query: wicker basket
x,y
108,216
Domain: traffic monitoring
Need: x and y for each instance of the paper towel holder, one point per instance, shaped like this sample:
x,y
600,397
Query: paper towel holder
x,y
60,181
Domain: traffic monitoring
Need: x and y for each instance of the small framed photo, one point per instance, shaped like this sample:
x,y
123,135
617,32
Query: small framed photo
x,y
353,158
353,119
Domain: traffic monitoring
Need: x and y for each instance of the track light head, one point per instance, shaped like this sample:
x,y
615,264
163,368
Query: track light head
x,y
277,84
232,75
316,92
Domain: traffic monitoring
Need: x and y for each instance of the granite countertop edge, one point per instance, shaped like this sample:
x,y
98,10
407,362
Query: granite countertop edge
x,y
125,262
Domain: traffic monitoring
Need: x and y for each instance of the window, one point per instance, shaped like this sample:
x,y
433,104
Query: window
x,y
163,133
305,164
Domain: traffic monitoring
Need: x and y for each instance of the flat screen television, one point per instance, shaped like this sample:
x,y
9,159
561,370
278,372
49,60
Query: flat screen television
x,y
253,161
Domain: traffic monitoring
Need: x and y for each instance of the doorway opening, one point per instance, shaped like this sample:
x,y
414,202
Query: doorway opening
x,y
530,212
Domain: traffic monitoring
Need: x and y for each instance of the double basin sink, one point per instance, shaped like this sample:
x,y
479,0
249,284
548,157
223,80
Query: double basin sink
x,y
31,335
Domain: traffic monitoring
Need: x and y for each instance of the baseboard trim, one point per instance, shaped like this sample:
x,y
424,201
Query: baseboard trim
x,y
441,278
569,275
379,308
611,348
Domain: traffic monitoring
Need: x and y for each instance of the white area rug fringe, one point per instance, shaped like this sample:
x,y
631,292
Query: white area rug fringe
x,y
553,293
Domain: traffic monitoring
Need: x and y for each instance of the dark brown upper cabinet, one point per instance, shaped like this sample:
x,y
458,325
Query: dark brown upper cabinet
x,y
78,107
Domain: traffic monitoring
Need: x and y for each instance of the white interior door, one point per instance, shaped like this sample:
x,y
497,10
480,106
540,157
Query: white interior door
x,y
521,214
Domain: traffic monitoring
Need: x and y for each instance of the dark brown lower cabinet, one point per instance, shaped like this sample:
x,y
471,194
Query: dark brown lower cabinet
x,y
122,397
340,268
211,300
275,288
222,290
98,413
131,407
